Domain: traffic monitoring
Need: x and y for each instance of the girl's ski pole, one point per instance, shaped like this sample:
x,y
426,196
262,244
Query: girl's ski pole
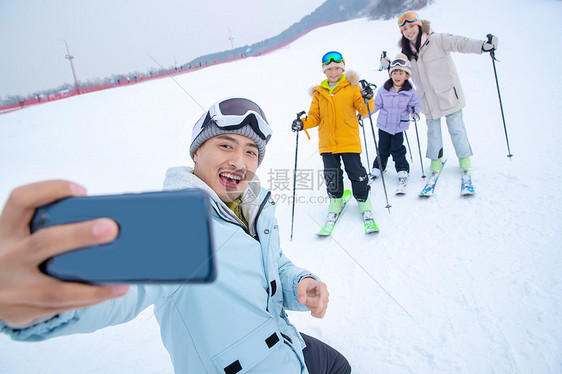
x,y
381,66
409,149
366,85
416,115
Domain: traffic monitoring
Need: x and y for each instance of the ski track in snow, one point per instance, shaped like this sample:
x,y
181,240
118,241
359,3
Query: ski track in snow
x,y
450,284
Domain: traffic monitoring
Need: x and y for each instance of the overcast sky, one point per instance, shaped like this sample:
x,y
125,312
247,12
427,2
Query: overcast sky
x,y
117,36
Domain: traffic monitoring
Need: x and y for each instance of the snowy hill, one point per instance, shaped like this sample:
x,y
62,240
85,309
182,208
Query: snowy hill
x,y
449,285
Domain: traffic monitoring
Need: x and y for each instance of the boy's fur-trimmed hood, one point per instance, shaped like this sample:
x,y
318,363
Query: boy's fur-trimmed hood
x,y
351,76
426,29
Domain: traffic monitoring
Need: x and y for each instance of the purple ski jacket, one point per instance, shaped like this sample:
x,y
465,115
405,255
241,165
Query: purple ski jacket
x,y
395,108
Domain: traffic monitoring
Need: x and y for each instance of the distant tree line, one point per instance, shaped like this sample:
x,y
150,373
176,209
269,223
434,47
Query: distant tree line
x,y
63,89
330,11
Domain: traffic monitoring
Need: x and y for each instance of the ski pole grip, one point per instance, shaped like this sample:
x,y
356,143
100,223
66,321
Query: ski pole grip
x,y
360,119
300,114
492,51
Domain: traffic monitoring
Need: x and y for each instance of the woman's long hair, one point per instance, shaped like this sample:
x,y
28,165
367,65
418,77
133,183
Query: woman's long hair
x,y
407,48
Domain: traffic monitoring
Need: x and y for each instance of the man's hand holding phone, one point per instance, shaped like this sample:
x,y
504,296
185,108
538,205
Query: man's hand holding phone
x,y
26,294
164,237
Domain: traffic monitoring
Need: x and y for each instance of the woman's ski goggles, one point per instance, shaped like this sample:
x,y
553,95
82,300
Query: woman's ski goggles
x,y
407,17
233,114
399,62
332,56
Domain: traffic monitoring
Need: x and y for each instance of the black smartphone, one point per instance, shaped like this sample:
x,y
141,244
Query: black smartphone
x,y
164,237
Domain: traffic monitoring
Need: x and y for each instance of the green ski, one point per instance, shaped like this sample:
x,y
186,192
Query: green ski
x,y
333,218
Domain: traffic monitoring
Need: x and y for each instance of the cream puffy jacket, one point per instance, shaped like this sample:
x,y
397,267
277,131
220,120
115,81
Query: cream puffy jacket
x,y
435,75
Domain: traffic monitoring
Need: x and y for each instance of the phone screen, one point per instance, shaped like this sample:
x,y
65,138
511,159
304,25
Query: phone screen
x,y
163,237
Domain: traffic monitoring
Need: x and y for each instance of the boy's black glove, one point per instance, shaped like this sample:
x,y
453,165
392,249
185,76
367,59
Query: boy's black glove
x,y
491,44
415,116
367,93
297,125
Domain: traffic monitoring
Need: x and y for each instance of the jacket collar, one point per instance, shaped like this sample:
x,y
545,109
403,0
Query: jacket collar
x,y
341,83
182,177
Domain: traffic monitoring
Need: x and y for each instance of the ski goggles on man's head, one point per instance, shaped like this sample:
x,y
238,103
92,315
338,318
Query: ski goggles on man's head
x,y
399,62
233,114
332,56
407,17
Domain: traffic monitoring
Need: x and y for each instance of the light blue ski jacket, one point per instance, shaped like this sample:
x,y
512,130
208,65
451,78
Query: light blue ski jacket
x,y
236,324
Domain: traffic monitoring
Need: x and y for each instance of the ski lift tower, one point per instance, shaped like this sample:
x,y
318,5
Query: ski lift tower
x,y
231,43
69,57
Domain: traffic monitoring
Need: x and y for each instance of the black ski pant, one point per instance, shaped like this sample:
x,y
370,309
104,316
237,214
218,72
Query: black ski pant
x,y
333,175
392,145
320,358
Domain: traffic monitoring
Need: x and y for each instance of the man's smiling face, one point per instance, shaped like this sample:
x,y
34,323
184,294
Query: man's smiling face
x,y
227,164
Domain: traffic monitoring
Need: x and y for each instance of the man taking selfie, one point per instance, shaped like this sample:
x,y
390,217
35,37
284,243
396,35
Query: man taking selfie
x,y
236,324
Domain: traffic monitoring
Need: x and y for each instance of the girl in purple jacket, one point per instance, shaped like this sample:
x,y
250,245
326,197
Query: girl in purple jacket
x,y
396,101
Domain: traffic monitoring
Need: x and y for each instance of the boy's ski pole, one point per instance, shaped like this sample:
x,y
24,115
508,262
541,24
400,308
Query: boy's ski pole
x,y
365,85
365,139
295,177
418,137
493,55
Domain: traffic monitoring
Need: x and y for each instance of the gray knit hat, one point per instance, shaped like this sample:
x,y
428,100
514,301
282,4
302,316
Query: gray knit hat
x,y
198,137
333,64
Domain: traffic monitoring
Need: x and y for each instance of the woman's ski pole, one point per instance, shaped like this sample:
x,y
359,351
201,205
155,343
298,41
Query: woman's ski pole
x,y
493,55
366,85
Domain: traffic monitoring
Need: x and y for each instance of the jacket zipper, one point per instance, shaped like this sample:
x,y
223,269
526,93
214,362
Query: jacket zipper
x,y
417,54
259,212
256,220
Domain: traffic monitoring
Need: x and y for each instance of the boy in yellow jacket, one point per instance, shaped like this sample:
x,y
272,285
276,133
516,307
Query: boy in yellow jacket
x,y
334,107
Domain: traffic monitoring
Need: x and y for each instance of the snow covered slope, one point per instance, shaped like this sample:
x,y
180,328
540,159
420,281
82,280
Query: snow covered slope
x,y
450,284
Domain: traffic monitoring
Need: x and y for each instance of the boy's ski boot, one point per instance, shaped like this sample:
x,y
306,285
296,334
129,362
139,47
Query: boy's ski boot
x,y
366,210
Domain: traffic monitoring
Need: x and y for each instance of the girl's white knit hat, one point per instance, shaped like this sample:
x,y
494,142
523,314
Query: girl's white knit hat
x,y
404,67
